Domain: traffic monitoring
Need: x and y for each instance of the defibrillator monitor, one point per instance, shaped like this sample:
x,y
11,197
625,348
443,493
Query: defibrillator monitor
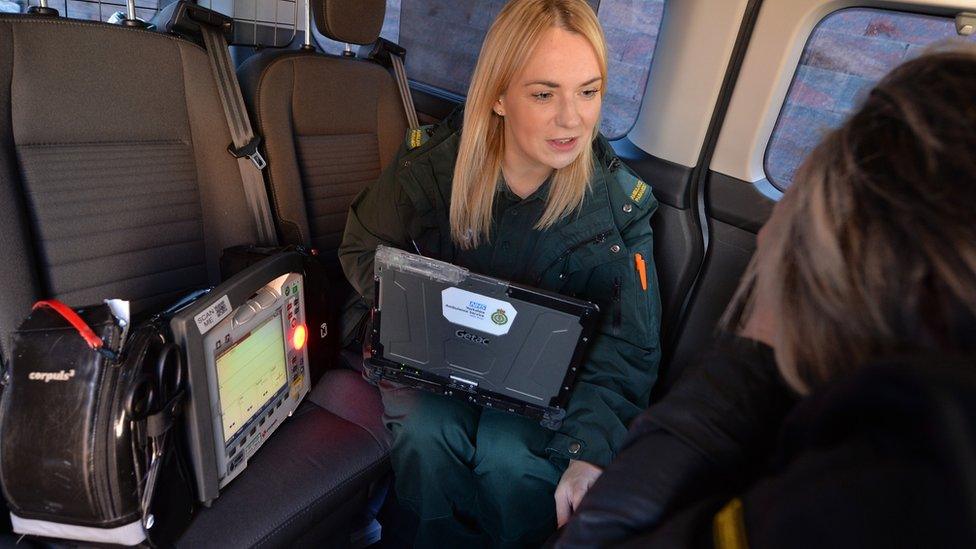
x,y
439,327
247,365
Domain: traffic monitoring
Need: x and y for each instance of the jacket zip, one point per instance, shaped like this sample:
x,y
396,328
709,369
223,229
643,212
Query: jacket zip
x,y
594,239
615,298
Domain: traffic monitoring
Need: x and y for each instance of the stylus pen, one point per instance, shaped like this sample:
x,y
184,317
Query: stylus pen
x,y
641,270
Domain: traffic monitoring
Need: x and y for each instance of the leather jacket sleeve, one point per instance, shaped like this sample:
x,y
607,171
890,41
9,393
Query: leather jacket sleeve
x,y
708,434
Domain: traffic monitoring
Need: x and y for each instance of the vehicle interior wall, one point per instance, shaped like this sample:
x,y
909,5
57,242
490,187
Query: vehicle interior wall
x,y
824,75
718,85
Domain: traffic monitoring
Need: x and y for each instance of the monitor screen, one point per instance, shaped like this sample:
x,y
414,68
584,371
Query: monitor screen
x,y
250,373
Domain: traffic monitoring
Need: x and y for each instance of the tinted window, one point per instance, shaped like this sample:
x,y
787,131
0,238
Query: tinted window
x,y
94,11
846,55
443,39
264,22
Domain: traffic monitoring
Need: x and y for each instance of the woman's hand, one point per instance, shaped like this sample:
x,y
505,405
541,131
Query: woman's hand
x,y
576,480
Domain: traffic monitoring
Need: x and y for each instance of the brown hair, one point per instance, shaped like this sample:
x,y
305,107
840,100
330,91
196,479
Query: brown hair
x,y
875,252
513,36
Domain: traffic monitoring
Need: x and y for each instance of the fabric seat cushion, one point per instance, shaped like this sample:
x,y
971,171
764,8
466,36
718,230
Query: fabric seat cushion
x,y
308,472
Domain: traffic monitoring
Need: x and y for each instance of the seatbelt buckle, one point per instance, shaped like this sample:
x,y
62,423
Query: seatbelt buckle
x,y
250,151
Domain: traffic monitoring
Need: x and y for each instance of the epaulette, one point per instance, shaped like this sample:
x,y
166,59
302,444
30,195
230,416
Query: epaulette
x,y
638,191
418,136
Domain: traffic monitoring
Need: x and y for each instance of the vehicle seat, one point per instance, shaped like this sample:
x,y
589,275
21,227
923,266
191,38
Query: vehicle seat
x,y
116,182
330,124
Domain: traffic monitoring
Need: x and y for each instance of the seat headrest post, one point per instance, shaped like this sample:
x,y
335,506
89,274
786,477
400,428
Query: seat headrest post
x,y
43,9
352,21
307,46
131,20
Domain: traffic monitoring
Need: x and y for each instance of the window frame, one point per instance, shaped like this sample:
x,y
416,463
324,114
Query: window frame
x,y
768,184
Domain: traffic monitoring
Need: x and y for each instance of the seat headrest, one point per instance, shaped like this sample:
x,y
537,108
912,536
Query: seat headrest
x,y
350,21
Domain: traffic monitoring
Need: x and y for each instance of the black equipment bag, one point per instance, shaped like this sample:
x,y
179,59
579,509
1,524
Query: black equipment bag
x,y
89,442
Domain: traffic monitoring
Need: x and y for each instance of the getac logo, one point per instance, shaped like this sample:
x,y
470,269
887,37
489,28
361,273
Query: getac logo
x,y
51,376
472,337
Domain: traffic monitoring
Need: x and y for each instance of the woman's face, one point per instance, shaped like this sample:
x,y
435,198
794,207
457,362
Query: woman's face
x,y
552,105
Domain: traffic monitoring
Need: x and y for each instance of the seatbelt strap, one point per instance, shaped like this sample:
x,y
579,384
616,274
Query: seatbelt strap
x,y
390,54
400,74
245,145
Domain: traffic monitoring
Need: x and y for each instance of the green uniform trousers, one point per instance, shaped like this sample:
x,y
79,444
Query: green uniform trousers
x,y
474,477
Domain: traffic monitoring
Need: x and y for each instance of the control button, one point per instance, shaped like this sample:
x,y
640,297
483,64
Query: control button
x,y
294,322
294,359
244,314
261,422
574,448
265,298
289,305
253,430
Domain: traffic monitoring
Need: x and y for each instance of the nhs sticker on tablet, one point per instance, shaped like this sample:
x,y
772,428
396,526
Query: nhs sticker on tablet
x,y
471,310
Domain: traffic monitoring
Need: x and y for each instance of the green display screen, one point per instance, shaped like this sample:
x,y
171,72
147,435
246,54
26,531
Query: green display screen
x,y
249,373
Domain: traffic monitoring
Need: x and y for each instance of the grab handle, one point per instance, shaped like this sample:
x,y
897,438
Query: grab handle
x,y
76,321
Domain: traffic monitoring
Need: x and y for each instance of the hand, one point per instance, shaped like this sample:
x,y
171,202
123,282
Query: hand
x,y
576,480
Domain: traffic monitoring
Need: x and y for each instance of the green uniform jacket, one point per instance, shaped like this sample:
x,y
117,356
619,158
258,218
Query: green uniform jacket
x,y
590,255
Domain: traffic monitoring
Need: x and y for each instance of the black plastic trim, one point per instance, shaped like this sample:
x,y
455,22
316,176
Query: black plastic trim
x,y
738,203
668,180
700,175
435,102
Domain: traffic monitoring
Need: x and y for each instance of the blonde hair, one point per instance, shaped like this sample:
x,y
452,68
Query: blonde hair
x,y
876,252
511,39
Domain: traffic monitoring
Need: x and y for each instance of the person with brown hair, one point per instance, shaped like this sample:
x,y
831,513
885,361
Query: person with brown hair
x,y
523,188
844,411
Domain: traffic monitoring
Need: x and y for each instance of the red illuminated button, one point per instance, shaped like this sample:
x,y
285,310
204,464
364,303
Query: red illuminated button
x,y
299,336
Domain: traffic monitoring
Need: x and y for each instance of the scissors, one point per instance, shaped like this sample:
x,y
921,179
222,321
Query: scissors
x,y
152,403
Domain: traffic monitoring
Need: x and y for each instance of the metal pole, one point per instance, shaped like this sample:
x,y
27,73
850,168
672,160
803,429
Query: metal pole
x,y
130,10
43,9
308,26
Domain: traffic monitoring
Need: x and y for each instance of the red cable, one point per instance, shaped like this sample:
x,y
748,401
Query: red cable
x,y
72,317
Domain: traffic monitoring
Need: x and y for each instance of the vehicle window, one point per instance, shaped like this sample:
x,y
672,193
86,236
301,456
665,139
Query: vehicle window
x,y
91,10
443,38
266,22
847,53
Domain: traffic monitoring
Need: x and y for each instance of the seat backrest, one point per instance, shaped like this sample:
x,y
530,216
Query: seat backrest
x,y
116,180
330,124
